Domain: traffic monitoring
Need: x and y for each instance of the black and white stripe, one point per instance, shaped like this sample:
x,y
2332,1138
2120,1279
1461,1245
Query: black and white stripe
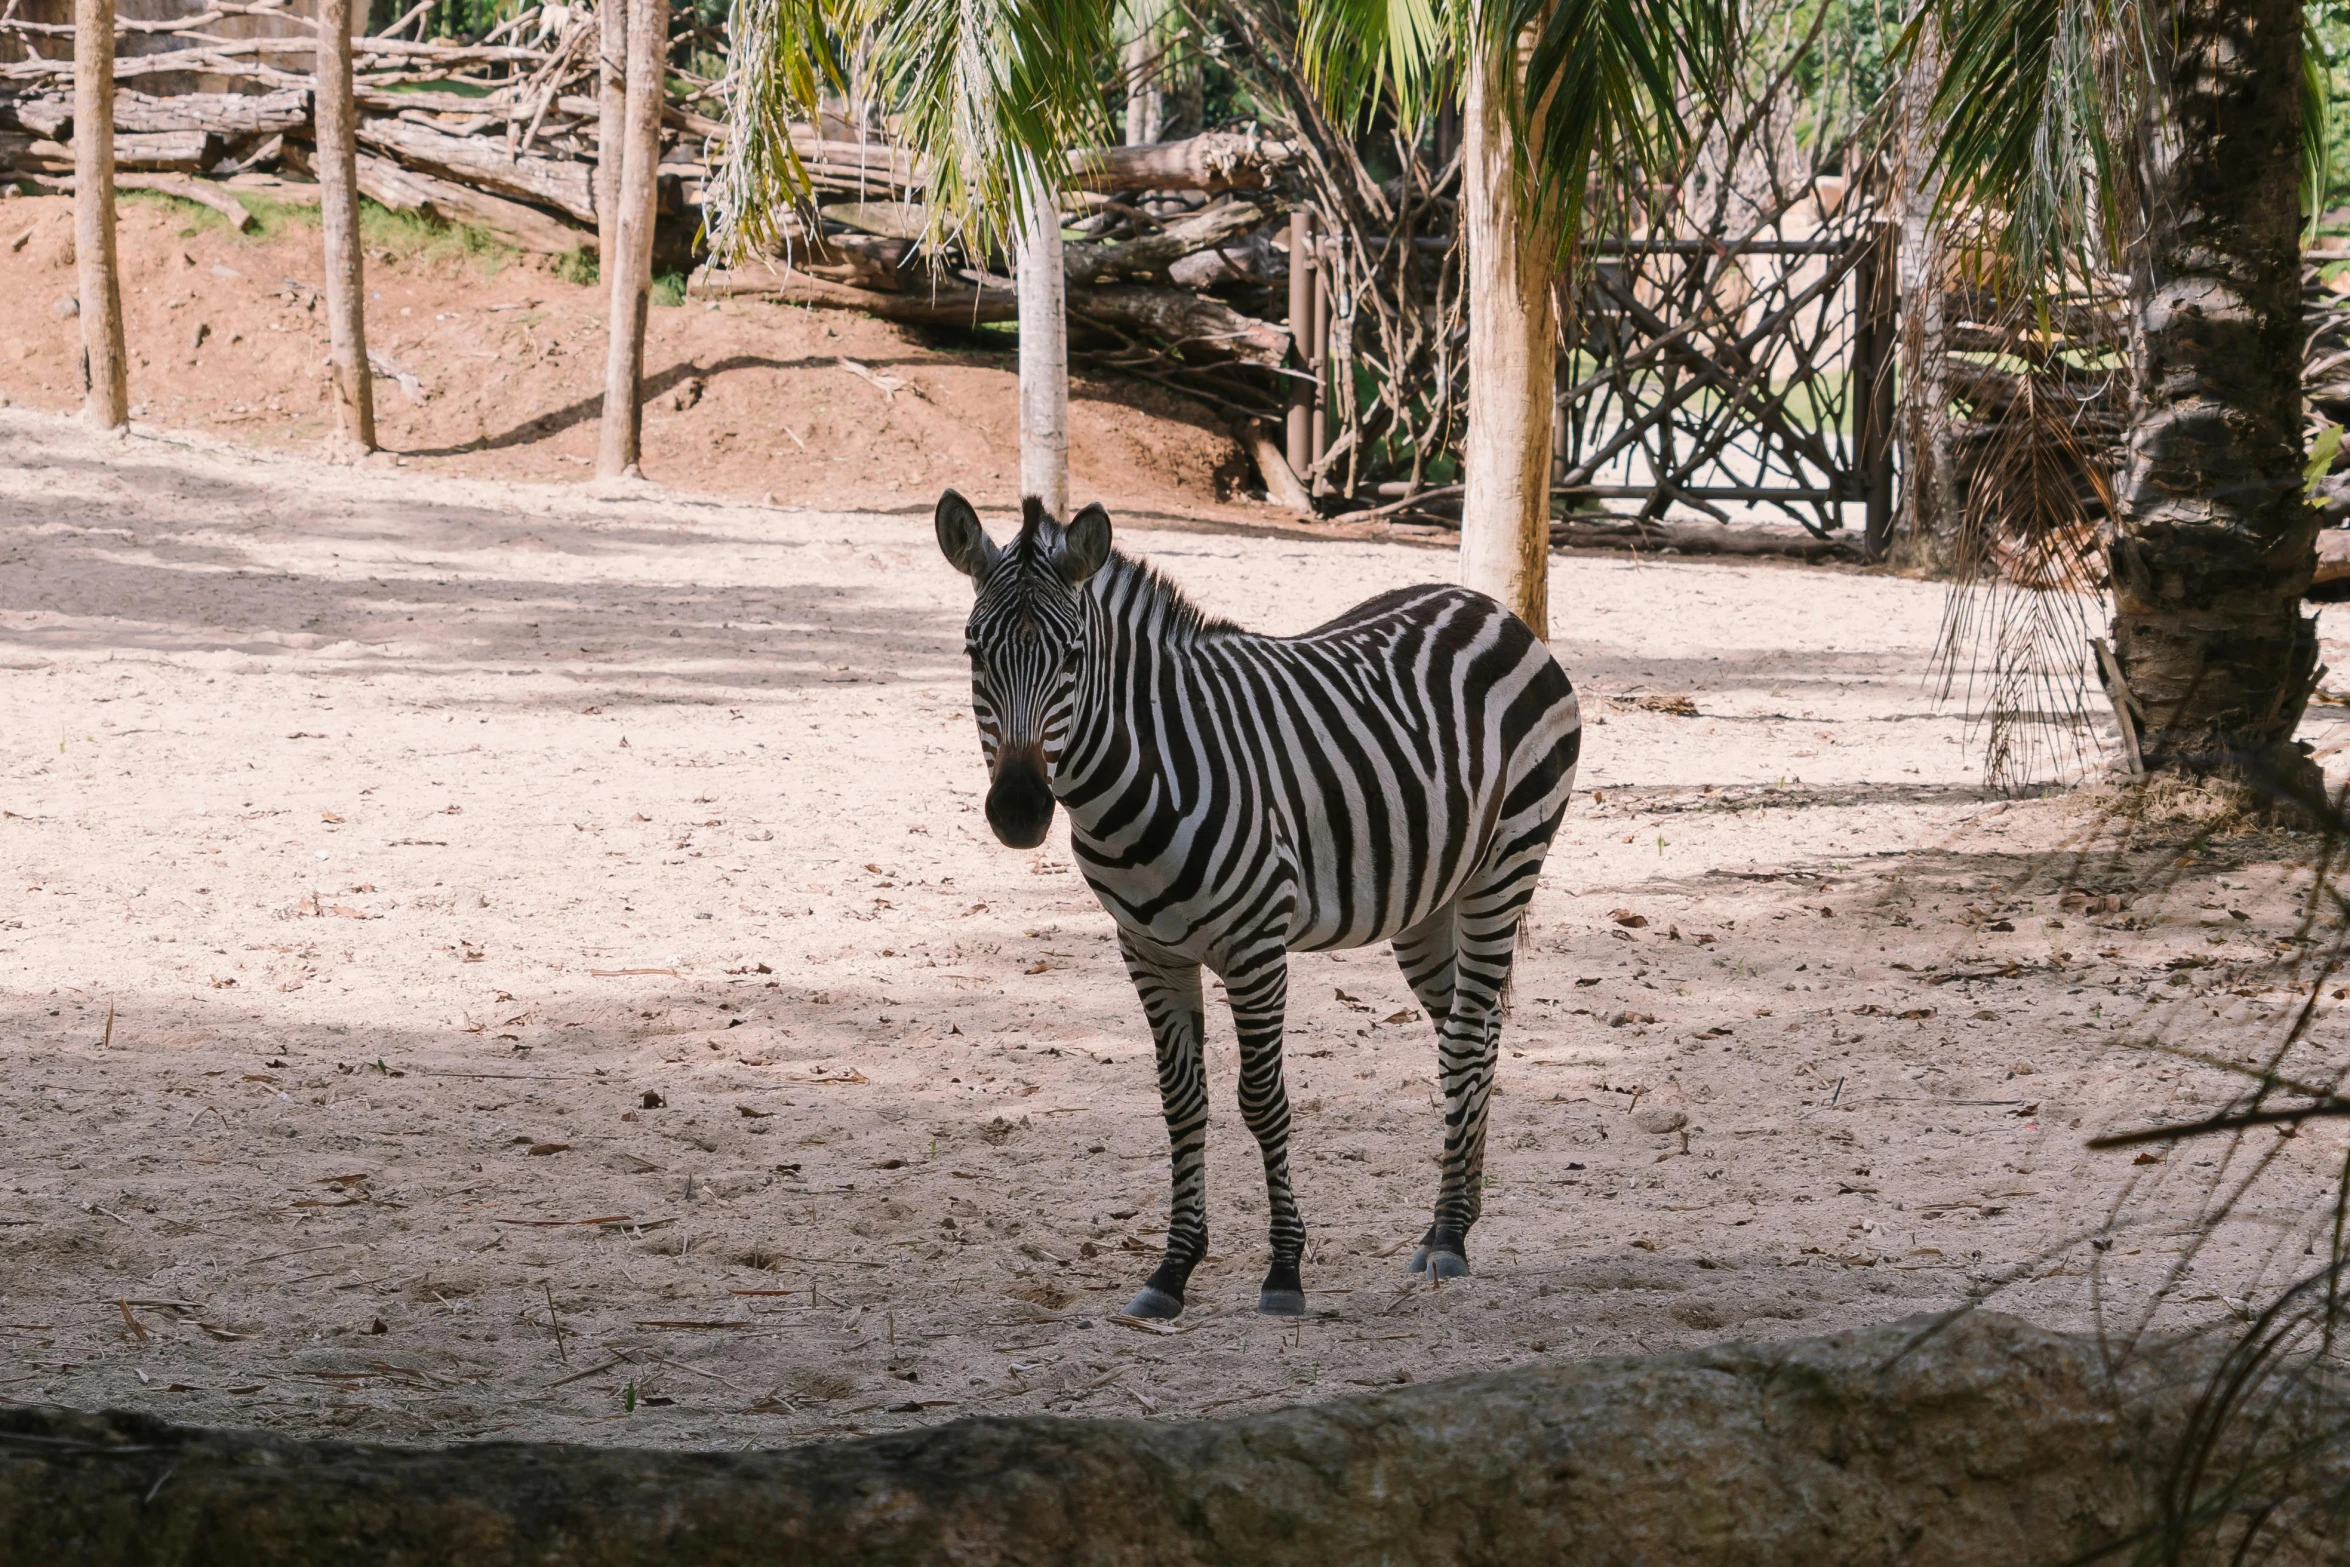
x,y
1395,775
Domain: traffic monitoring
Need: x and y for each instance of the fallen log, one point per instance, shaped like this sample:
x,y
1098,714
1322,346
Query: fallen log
x,y
225,115
1988,1441
1442,505
1152,253
2333,556
566,184
407,190
948,304
1179,320
1699,539
202,192
1282,486
1208,327
1212,160
175,152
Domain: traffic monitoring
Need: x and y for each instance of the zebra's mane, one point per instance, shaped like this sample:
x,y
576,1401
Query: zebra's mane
x,y
1177,612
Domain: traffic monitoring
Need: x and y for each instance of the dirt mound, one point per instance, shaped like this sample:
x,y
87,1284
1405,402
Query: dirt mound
x,y
491,364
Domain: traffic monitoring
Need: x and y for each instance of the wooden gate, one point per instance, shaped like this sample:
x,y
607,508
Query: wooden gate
x,y
1734,377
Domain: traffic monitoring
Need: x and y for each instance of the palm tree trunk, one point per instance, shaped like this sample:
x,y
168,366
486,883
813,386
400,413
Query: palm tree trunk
x,y
611,124
338,204
1044,357
1513,369
630,280
2215,543
105,378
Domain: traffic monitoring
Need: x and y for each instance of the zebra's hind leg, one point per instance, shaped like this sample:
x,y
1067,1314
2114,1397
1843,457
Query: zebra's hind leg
x,y
1257,979
1171,999
1486,918
1426,953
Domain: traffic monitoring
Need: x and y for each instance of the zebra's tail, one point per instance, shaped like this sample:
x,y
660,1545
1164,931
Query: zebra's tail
x,y
1523,945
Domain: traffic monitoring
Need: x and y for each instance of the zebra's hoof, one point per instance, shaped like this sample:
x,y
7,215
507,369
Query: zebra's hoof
x,y
1443,1252
1155,1304
1281,1303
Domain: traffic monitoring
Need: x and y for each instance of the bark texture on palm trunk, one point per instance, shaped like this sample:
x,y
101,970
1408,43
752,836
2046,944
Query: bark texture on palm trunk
x,y
630,280
2215,543
611,127
105,378
1513,367
349,385
1044,358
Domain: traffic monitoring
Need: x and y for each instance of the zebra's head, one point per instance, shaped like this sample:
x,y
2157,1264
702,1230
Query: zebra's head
x,y
1026,631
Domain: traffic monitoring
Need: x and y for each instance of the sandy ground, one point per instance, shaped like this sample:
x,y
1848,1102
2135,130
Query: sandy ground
x,y
505,371
476,958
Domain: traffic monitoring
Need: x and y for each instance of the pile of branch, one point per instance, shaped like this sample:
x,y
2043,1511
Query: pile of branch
x,y
500,133
1143,286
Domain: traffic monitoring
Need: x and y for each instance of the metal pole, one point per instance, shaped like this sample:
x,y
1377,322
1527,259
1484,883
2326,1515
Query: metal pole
x,y
1872,391
1321,366
1301,315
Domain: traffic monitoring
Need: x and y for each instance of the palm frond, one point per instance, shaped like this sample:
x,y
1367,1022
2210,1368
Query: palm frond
x,y
2031,102
990,96
2317,115
785,55
987,95
1355,51
1606,88
1599,106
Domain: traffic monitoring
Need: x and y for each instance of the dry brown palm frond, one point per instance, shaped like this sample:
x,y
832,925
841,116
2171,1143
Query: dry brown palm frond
x,y
2034,455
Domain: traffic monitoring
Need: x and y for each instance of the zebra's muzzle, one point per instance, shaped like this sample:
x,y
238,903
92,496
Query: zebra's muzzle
x,y
1020,801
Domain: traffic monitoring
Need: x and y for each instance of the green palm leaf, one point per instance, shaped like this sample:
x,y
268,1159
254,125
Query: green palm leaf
x,y
1600,109
987,95
2034,102
784,57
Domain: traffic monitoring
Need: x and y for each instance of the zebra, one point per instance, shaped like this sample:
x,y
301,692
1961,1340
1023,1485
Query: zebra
x,y
1394,775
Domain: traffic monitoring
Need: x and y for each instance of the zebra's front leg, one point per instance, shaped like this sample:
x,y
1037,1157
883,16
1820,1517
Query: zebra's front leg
x,y
1258,981
1171,999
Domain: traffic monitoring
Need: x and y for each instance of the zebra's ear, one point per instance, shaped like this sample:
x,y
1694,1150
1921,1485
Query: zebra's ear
x,y
1085,544
961,539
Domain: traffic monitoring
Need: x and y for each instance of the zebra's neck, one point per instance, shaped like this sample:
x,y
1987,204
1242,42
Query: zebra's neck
x,y
1144,644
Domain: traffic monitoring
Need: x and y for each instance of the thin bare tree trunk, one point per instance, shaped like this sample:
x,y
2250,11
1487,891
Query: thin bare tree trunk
x,y
1513,366
1044,358
611,121
630,279
1929,495
105,377
338,207
1146,92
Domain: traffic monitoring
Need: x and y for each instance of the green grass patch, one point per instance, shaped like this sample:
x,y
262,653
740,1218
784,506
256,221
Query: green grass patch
x,y
580,267
403,236
412,236
194,216
273,218
669,288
